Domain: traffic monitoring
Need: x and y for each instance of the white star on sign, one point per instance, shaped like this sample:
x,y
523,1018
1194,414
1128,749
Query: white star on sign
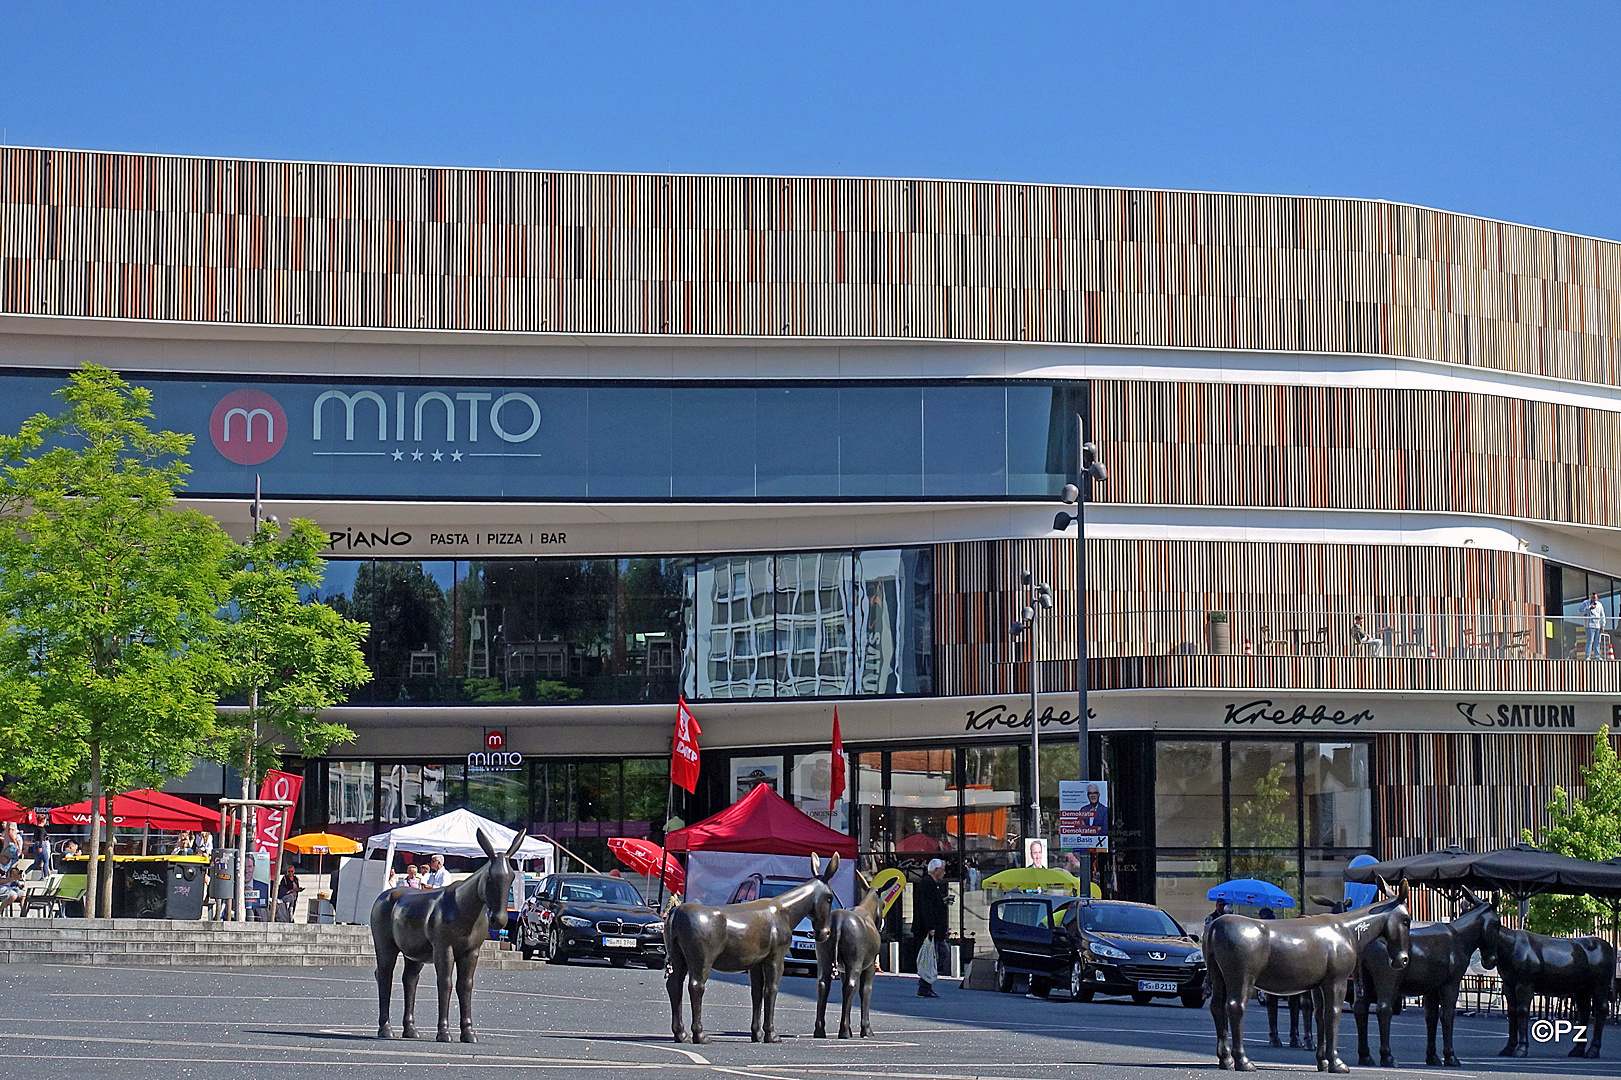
x,y
399,455
457,456
438,456
416,456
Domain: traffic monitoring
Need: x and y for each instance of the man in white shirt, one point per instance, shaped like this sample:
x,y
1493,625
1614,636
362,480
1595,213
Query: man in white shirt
x,y
1593,613
437,877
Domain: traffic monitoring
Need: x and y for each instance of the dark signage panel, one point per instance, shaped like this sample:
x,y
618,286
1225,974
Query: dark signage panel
x,y
545,441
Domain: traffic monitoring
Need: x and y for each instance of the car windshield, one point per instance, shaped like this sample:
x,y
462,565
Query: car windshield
x,y
1150,922
612,893
771,887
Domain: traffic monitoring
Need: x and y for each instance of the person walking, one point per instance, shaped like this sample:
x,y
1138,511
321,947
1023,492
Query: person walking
x,y
1593,612
931,923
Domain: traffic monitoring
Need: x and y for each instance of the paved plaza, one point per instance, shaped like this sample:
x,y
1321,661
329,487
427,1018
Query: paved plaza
x,y
148,1023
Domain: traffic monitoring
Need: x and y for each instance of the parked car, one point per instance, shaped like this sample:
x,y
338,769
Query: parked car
x,y
1092,947
802,945
589,915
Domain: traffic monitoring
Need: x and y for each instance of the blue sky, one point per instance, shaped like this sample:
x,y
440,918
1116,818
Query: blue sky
x,y
1507,110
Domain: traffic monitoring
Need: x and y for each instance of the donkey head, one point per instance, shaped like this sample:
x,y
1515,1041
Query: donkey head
x,y
1489,922
1396,926
498,874
821,915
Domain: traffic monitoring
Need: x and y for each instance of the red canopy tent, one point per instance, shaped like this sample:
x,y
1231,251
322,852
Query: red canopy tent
x,y
762,822
13,811
136,808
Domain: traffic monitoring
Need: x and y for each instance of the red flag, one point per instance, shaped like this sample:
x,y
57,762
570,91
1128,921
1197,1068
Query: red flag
x,y
270,822
684,748
841,764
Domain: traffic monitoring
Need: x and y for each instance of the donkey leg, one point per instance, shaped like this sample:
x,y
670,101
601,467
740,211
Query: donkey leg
x,y
1581,1013
1330,997
757,999
850,987
1308,1014
1237,998
1272,1021
465,967
1517,1004
773,980
1365,991
386,958
1603,991
697,983
868,977
1218,1015
1385,1008
674,976
1432,1017
824,983
444,970
413,972
1449,1013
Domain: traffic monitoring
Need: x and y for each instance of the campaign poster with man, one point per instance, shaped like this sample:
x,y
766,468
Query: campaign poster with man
x,y
1083,815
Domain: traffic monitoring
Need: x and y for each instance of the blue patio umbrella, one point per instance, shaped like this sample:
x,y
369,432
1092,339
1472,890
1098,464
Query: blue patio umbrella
x,y
1252,893
1360,895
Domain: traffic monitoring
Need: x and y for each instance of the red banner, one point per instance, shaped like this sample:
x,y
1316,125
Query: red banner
x,y
684,748
841,764
270,823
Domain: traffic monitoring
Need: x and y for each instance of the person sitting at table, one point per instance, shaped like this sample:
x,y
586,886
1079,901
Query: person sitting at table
x,y
12,889
287,890
202,843
182,845
1374,645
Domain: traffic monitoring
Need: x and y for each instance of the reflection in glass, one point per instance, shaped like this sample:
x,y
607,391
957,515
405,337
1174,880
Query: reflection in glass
x,y
1182,884
409,793
923,792
894,621
871,831
813,790
501,796
1339,796
733,627
350,794
1188,795
812,631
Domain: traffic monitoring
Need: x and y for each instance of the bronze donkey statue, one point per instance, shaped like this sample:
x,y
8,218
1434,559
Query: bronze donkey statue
x,y
447,926
851,947
752,937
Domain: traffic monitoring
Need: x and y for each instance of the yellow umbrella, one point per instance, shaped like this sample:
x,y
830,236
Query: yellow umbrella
x,y
1034,878
321,844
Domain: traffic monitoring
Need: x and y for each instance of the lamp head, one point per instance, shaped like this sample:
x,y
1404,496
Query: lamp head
x,y
1071,495
1062,521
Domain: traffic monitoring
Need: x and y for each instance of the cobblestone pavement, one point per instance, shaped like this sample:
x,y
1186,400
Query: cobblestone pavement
x,y
140,1023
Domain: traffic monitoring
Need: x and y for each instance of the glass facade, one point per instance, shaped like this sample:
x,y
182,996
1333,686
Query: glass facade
x,y
495,631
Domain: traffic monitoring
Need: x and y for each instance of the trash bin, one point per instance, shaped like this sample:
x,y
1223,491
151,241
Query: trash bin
x,y
140,890
187,889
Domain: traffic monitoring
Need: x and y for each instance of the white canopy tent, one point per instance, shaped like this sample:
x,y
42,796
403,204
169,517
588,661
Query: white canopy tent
x,y
455,833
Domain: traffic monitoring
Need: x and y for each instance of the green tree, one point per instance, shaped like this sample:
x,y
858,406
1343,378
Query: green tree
x,y
1263,821
1586,828
292,659
109,594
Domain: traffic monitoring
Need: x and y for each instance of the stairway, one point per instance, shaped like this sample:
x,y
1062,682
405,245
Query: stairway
x,y
171,943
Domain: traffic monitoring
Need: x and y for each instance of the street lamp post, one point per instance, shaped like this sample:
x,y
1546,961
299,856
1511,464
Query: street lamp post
x,y
1088,469
1040,596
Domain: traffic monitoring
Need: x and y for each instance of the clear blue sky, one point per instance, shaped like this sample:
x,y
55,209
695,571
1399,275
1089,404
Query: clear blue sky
x,y
1506,110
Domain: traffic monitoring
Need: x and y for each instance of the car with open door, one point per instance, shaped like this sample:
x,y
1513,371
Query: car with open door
x,y
1092,947
590,915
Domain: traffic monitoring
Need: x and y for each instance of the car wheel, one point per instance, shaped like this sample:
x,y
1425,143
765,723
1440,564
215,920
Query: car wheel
x,y
1004,979
1192,999
1040,987
1078,990
1142,999
554,947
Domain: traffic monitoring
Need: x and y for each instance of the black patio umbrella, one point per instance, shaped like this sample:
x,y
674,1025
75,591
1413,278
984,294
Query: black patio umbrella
x,y
1521,871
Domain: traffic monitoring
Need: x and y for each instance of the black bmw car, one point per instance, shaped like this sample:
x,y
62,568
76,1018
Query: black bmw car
x,y
589,915
1092,947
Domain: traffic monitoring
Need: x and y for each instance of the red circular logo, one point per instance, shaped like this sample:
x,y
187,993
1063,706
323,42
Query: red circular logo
x,y
494,740
248,426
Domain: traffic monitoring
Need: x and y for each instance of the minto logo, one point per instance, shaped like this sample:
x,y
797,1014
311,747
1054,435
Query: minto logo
x,y
495,740
248,426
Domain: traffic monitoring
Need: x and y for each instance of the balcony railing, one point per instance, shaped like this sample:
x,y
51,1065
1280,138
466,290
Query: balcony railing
x,y
1388,635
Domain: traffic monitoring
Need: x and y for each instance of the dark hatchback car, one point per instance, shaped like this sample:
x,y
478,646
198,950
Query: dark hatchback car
x,y
589,915
1091,947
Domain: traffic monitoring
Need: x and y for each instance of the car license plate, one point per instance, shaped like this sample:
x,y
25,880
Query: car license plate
x,y
618,943
1149,986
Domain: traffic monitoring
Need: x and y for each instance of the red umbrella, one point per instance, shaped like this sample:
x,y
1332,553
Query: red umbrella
x,y
128,811
921,843
12,811
206,819
643,857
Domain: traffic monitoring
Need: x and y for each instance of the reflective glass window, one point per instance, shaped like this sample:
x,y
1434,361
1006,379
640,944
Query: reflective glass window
x,y
964,440
796,441
720,464
631,442
811,642
881,440
1188,811
410,793
813,790
1338,795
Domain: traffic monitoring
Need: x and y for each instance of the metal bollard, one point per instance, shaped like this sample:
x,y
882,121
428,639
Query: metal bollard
x,y
892,957
954,962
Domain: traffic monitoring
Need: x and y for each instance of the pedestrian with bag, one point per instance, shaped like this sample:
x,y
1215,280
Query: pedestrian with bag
x,y
930,925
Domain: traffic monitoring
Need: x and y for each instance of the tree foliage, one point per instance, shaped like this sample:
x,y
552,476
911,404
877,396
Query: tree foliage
x,y
109,595
300,657
1586,828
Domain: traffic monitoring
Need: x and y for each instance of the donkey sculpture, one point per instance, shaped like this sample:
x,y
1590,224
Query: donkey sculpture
x,y
446,926
1301,1006
1437,960
752,937
1315,954
852,949
1581,969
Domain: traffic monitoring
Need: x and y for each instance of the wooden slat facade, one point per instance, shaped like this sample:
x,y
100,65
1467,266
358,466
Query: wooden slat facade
x,y
291,243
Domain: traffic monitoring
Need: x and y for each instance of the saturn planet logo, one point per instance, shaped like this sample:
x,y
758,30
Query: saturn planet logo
x,y
248,426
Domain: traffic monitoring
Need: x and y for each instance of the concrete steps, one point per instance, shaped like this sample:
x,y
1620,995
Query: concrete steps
x,y
169,943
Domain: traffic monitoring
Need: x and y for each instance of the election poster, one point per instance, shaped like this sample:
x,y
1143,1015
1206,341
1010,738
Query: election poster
x,y
1083,815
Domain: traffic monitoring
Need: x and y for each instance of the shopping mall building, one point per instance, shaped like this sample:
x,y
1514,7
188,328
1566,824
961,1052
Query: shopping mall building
x,y
583,443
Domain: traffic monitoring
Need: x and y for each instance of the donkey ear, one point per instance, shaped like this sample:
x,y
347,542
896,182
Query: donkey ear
x,y
484,842
832,866
1402,892
1384,886
816,865
517,842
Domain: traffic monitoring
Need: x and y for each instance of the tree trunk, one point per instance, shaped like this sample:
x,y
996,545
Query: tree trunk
x,y
107,878
92,851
